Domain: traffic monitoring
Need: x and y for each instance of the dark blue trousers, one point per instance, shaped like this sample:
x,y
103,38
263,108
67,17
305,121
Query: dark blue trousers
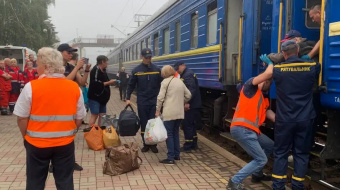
x,y
172,142
295,136
189,128
145,112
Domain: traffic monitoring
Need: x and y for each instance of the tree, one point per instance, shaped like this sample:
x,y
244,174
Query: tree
x,y
22,23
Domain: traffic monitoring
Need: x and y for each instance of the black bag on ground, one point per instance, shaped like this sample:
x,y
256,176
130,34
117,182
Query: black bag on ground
x,y
128,122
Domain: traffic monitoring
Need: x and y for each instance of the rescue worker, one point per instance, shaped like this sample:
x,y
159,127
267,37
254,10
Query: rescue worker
x,y
49,131
30,73
147,77
7,63
250,113
295,113
16,84
5,88
192,109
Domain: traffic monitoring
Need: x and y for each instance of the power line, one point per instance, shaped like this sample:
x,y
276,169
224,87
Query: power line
x,y
127,2
137,13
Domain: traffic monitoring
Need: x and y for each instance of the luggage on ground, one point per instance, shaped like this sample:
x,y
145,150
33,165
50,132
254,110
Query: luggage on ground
x,y
155,132
111,138
128,122
94,138
121,159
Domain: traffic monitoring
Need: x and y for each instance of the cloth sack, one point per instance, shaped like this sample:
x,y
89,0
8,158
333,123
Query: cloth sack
x,y
128,122
110,138
94,138
155,132
121,159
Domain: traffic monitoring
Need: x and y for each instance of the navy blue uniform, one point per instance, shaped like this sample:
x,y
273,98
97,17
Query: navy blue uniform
x,y
192,116
295,113
148,80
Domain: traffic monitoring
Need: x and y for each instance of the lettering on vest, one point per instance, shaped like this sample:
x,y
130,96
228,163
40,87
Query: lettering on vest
x,y
295,69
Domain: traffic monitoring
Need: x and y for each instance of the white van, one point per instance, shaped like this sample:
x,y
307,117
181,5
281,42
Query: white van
x,y
19,53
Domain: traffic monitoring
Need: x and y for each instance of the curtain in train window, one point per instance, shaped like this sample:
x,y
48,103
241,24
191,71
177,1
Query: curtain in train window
x,y
137,50
156,44
178,36
166,41
143,44
148,40
212,22
194,30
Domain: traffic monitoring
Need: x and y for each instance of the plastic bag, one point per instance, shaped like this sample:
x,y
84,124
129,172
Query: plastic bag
x,y
111,138
155,132
94,138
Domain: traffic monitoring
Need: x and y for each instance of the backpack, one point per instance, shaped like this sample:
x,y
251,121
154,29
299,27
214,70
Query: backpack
x,y
128,122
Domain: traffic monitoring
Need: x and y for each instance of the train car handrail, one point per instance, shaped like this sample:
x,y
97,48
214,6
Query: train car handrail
x,y
240,37
322,32
280,28
220,53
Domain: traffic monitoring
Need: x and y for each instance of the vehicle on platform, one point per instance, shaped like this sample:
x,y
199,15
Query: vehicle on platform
x,y
17,52
221,41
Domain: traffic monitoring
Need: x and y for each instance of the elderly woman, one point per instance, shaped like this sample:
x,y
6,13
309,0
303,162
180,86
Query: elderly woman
x,y
50,110
171,99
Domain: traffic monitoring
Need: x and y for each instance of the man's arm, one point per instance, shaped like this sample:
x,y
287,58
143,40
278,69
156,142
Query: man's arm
x,y
315,50
131,86
22,123
189,82
270,115
267,74
82,79
74,73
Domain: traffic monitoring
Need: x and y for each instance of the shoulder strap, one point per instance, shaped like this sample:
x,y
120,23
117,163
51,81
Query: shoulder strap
x,y
166,92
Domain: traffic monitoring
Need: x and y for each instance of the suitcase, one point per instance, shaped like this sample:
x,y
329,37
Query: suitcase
x,y
128,122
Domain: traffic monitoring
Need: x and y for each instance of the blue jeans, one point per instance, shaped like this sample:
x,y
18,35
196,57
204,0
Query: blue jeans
x,y
257,146
172,142
96,108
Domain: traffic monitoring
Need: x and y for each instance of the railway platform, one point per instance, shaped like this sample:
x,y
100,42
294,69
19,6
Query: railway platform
x,y
209,167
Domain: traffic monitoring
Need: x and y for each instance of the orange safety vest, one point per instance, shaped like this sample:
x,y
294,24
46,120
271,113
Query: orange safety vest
x,y
251,113
177,75
54,107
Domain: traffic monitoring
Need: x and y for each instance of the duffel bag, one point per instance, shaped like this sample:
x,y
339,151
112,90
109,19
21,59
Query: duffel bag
x,y
128,122
121,159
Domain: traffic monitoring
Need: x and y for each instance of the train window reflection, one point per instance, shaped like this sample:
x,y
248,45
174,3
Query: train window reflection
x,y
194,30
178,36
212,22
156,44
166,41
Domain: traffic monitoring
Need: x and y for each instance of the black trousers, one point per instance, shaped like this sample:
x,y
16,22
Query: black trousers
x,y
189,128
122,91
38,161
145,113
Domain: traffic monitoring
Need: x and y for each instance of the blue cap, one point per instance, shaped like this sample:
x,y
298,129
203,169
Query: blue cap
x,y
66,47
146,52
291,34
287,45
177,64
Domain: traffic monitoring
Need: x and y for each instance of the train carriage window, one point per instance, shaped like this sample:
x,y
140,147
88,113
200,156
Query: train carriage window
x,y
166,41
126,55
308,21
133,52
148,40
137,50
178,36
194,30
212,22
130,54
156,44
143,44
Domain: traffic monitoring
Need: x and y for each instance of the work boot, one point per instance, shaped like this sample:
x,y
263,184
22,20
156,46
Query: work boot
x,y
264,177
154,149
4,112
11,108
182,149
235,186
167,162
145,149
177,158
77,167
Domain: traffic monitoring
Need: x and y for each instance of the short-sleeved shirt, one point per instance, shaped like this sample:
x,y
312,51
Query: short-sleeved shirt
x,y
249,90
68,69
97,90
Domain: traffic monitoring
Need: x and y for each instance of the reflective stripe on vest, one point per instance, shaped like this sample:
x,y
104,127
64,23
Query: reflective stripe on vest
x,y
51,134
256,124
53,118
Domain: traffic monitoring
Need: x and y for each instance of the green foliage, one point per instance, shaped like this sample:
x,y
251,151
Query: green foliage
x,y
22,22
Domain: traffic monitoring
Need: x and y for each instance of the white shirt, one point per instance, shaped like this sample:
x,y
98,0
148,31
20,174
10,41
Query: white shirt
x,y
24,102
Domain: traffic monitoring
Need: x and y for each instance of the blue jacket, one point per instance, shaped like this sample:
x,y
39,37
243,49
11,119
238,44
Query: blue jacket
x,y
190,80
294,80
148,80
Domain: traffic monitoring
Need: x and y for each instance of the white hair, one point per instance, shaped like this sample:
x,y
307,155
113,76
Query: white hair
x,y
52,59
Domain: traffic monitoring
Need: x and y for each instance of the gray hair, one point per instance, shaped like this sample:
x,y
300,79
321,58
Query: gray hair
x,y
52,59
122,69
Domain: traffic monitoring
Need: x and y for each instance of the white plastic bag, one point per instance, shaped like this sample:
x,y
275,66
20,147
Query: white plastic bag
x,y
155,132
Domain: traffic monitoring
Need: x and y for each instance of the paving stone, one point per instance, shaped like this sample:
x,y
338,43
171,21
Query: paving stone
x,y
205,168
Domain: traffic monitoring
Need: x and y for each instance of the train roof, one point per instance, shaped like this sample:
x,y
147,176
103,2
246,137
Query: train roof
x,y
158,13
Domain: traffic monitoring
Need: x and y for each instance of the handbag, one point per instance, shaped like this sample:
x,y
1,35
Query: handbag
x,y
165,95
121,159
94,138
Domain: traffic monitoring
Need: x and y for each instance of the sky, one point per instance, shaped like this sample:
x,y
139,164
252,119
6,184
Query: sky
x,y
89,18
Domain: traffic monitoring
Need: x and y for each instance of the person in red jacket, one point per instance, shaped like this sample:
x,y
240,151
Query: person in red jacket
x,y
15,82
5,88
30,73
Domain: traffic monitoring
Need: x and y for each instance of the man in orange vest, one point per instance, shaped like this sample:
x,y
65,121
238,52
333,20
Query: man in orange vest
x,y
250,113
49,131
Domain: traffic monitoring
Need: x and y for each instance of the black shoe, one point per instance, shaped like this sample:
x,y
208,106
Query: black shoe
x,y
235,186
178,158
77,167
265,177
167,162
154,149
182,149
50,169
145,149
195,147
